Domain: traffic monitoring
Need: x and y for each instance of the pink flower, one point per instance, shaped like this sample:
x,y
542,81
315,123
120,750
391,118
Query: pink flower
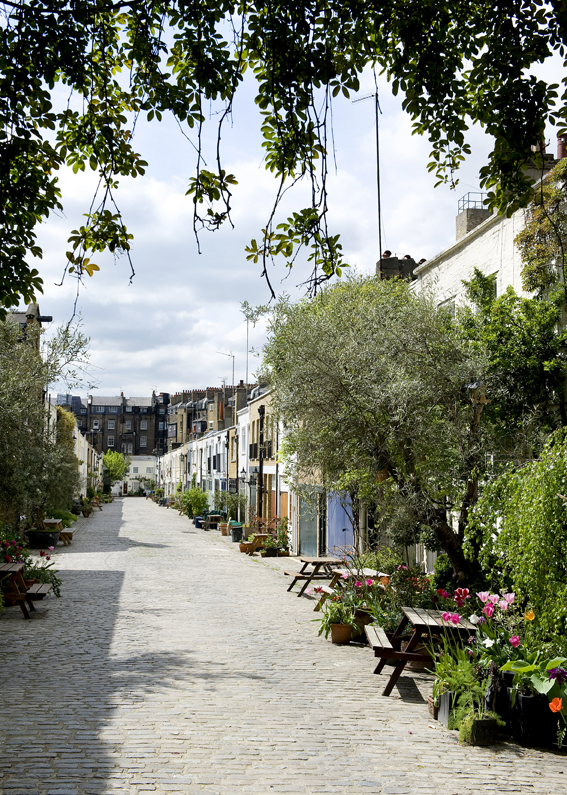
x,y
455,618
515,641
358,584
483,596
488,610
442,593
308,591
494,598
503,605
461,593
446,616
344,575
369,582
459,602
318,589
509,597
51,549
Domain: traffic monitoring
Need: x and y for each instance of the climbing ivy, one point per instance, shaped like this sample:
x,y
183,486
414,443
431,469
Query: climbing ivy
x,y
543,241
518,531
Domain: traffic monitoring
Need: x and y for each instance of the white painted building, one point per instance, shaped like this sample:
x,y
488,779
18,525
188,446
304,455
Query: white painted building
x,y
141,473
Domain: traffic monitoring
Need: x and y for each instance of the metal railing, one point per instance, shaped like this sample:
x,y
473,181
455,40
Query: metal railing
x,y
469,202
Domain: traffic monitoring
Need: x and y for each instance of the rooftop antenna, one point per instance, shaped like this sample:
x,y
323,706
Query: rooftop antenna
x,y
229,356
377,111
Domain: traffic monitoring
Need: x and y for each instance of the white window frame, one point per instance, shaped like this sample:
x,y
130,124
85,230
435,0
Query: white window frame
x,y
96,425
111,424
110,441
128,425
130,448
143,425
143,441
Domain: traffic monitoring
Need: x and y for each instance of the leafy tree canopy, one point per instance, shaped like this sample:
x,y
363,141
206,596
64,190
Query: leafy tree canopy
x,y
115,466
387,398
454,63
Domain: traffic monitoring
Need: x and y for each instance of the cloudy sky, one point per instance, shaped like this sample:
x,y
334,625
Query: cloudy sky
x,y
168,329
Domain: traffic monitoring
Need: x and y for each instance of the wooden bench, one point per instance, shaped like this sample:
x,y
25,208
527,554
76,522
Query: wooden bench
x,y
15,590
257,542
66,536
95,502
212,519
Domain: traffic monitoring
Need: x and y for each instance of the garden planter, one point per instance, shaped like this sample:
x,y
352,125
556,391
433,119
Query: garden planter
x,y
38,539
340,633
283,553
236,533
484,731
363,618
445,706
86,514
532,722
270,553
432,708
246,547
223,528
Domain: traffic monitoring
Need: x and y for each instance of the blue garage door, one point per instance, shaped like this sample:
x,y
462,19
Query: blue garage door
x,y
339,526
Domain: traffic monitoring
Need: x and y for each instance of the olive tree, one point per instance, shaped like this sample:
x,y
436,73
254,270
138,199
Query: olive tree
x,y
381,398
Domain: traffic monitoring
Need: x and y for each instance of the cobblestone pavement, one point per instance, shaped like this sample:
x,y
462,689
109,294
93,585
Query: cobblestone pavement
x,y
174,664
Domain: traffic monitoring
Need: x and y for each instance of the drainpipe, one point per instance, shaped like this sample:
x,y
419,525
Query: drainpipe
x,y
261,413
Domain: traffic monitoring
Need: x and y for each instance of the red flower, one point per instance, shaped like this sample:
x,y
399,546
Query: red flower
x,y
556,705
41,553
48,557
8,559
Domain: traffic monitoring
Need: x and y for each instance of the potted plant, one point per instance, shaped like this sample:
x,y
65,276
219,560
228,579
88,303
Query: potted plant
x,y
41,538
338,620
270,547
248,545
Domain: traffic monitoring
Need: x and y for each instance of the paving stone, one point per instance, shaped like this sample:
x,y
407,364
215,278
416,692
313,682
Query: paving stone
x,y
174,664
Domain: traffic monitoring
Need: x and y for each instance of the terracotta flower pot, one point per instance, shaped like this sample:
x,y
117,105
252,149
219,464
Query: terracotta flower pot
x,y
246,547
340,633
224,529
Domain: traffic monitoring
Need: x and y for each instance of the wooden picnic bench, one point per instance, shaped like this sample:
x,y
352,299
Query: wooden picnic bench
x,y
15,590
65,533
426,625
213,519
95,502
342,576
313,570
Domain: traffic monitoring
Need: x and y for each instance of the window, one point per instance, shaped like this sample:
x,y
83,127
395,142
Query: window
x,y
79,423
161,426
143,441
162,411
143,425
95,425
83,411
130,449
110,442
210,423
149,470
143,410
114,409
111,425
134,470
100,409
128,425
129,408
211,406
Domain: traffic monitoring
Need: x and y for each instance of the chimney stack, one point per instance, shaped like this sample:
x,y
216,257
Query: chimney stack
x,y
562,147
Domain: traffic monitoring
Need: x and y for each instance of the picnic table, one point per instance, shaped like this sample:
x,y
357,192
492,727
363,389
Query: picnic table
x,y
15,589
426,625
314,569
213,519
341,576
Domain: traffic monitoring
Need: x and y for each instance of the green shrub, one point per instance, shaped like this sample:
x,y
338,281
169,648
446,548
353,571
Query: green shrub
x,y
443,572
65,516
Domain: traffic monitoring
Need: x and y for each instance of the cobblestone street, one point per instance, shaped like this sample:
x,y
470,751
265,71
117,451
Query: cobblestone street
x,y
172,663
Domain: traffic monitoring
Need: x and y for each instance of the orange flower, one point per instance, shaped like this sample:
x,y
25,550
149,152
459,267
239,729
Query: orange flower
x,y
556,705
530,615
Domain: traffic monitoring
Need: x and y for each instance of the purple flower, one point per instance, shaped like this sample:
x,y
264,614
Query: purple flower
x,y
559,674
